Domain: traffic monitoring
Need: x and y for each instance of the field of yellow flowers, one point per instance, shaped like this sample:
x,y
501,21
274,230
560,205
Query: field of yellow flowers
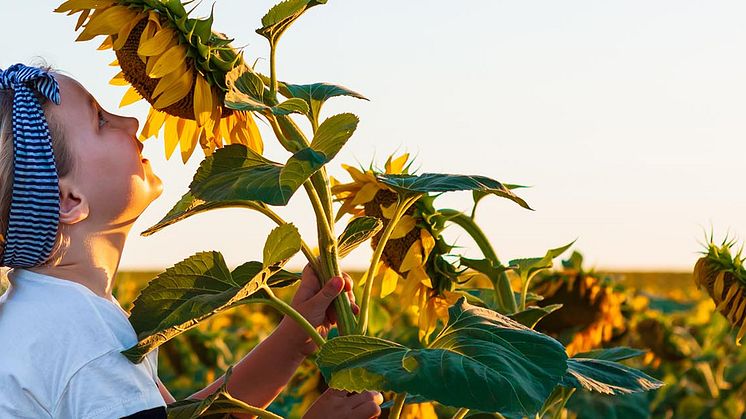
x,y
687,344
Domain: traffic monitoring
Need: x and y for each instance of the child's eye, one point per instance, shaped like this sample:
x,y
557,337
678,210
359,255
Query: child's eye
x,y
101,120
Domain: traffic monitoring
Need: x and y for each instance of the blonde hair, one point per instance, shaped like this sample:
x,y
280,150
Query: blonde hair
x,y
62,158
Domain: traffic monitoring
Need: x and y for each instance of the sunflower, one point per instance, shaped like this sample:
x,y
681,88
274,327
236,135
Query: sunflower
x,y
176,63
591,308
723,275
415,251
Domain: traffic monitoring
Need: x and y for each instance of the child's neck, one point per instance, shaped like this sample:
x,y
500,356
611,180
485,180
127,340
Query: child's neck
x,y
90,259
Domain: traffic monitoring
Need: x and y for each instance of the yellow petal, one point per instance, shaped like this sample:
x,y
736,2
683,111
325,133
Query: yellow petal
x,y
153,124
202,100
412,258
188,139
107,44
397,165
719,286
130,97
171,137
741,332
731,293
124,33
158,44
366,194
82,18
403,227
420,276
107,22
165,82
176,92
256,142
147,34
165,63
114,63
388,282
82,4
428,242
388,212
119,80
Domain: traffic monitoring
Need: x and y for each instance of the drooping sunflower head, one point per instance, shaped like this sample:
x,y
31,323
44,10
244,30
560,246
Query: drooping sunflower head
x,y
591,312
723,275
415,250
176,63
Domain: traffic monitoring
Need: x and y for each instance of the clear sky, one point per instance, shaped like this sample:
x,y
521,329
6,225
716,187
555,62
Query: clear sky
x,y
627,118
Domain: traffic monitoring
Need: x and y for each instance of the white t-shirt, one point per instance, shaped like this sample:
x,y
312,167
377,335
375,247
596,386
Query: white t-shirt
x,y
60,353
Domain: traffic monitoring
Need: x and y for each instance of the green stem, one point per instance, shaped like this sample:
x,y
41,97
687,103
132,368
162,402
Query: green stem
x,y
398,405
524,293
460,413
565,398
346,322
272,71
506,299
289,311
401,208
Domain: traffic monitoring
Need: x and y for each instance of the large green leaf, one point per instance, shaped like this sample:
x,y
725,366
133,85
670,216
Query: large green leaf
x,y
606,377
189,205
282,15
480,360
357,231
316,94
589,405
192,291
438,182
218,404
236,173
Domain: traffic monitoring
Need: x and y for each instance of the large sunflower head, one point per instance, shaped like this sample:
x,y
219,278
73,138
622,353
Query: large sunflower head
x,y
591,312
176,63
723,275
415,251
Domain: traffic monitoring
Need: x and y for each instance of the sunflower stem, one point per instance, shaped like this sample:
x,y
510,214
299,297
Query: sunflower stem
x,y
329,258
460,413
289,311
565,397
506,299
272,71
398,405
401,207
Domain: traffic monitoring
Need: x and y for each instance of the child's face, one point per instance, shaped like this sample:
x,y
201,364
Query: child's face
x,y
109,171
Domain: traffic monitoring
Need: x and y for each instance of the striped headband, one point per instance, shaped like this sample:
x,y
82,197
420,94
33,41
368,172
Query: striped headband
x,y
35,203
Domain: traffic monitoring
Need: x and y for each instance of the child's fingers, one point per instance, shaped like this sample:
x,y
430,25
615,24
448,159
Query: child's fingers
x,y
309,285
368,406
356,399
348,281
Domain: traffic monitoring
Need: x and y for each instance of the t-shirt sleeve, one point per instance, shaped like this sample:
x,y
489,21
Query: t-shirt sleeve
x,y
109,386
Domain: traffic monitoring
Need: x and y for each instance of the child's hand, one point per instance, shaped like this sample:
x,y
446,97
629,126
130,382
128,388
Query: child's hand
x,y
341,404
315,304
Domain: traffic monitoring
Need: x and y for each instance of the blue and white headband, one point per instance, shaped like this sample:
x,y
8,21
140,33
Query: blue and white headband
x,y
35,203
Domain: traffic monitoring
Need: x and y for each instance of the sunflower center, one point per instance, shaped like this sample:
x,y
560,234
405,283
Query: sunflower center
x,y
578,309
396,249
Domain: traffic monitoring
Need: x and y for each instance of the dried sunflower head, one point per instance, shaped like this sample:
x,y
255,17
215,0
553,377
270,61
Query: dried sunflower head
x,y
723,275
591,312
176,63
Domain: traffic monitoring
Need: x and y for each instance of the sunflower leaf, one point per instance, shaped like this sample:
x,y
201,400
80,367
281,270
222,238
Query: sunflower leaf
x,y
481,360
282,243
190,205
192,291
245,90
289,106
617,354
358,231
316,94
606,377
438,182
528,267
236,173
531,315
282,15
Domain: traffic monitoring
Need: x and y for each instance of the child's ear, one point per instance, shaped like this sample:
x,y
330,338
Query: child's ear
x,y
73,204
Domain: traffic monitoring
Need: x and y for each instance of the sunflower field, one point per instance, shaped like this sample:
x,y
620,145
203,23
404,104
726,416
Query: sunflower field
x,y
439,333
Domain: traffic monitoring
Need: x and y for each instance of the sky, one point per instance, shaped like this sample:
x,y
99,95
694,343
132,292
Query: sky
x,y
626,118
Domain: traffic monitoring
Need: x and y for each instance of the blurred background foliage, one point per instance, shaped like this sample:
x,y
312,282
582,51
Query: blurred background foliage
x,y
690,346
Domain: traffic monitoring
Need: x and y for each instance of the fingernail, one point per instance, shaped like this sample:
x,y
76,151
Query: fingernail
x,y
355,310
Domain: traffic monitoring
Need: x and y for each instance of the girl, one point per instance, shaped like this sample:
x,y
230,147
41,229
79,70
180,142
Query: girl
x,y
72,183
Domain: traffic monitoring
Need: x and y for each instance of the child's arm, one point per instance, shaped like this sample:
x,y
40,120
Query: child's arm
x,y
262,374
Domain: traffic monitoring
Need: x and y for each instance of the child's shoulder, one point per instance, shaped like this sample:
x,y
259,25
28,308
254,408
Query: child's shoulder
x,y
59,319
